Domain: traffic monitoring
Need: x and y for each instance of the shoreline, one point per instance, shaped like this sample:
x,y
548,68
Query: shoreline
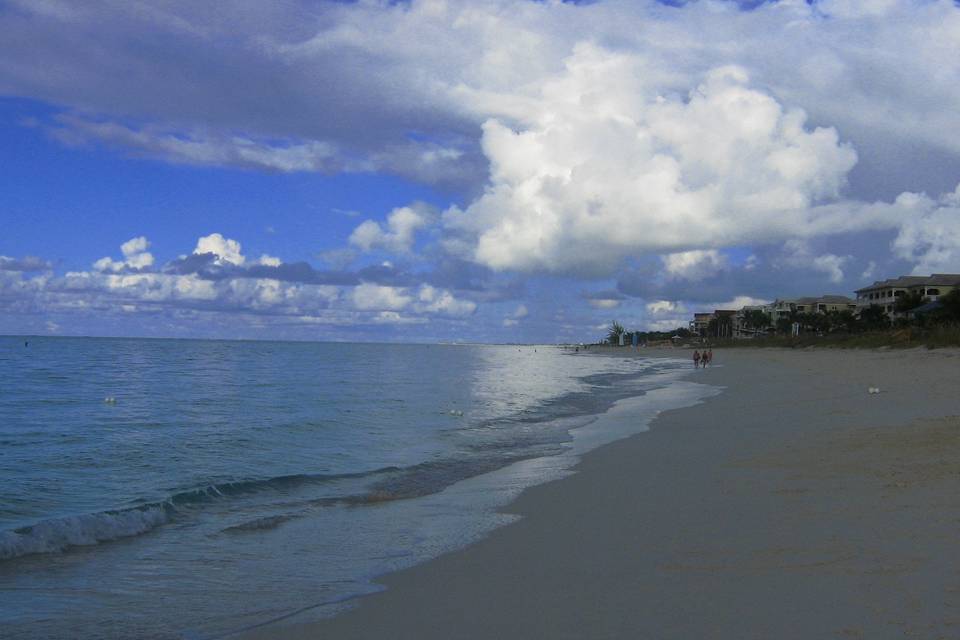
x,y
784,507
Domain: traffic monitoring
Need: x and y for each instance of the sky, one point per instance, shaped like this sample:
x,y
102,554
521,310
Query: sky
x,y
447,170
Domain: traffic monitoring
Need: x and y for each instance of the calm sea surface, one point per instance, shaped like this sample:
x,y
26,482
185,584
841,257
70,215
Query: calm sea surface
x,y
188,489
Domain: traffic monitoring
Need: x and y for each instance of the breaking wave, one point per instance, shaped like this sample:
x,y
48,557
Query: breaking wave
x,y
59,534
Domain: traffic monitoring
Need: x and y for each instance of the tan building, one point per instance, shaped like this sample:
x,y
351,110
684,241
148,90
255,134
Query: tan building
x,y
786,308
884,293
825,304
822,304
700,323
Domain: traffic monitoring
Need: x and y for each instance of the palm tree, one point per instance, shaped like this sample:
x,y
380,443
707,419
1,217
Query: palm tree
x,y
614,332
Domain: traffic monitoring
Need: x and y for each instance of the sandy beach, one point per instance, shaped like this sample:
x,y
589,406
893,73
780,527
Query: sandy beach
x,y
795,504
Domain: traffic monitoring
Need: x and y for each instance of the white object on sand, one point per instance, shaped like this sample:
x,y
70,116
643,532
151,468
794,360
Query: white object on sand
x,y
873,390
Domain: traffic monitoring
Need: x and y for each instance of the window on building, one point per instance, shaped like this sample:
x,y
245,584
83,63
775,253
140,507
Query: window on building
x,y
933,292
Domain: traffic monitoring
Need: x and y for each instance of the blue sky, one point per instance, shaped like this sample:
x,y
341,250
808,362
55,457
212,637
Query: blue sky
x,y
443,170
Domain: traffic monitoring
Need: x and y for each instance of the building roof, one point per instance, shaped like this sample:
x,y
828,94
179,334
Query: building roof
x,y
825,300
904,282
836,300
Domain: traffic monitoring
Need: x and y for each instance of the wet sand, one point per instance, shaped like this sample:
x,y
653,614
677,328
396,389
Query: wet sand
x,y
793,505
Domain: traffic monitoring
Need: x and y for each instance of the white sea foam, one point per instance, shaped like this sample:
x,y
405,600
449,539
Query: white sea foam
x,y
51,536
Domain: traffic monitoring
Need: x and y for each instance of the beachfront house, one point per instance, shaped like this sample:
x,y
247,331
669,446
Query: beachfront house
x,y
700,323
821,304
718,323
885,293
826,304
779,309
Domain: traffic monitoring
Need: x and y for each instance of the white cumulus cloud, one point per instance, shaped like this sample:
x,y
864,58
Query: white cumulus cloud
x,y
433,300
602,166
930,236
374,297
135,256
799,255
399,234
226,251
694,265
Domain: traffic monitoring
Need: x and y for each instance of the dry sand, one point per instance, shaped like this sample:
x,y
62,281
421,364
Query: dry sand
x,y
793,505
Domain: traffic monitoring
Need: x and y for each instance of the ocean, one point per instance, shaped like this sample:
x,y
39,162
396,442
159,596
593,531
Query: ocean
x,y
192,489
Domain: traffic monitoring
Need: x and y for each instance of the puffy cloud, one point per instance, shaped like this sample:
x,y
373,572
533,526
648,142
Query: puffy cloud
x,y
670,131
799,255
135,257
694,265
658,307
930,236
373,297
226,251
880,70
399,235
604,166
433,300
217,279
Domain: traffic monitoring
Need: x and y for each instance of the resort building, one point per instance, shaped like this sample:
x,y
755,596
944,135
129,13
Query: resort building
x,y
781,309
734,323
825,304
700,323
822,304
724,323
884,293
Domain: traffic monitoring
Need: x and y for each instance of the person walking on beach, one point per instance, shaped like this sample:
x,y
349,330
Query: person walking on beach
x,y
696,359
710,356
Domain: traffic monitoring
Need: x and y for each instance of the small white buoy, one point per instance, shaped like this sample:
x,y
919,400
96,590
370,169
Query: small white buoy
x,y
456,412
110,400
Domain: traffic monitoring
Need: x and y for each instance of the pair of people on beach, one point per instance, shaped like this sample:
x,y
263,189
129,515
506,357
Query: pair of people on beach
x,y
702,358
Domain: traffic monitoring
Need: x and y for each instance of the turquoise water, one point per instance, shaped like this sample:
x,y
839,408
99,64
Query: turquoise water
x,y
173,488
